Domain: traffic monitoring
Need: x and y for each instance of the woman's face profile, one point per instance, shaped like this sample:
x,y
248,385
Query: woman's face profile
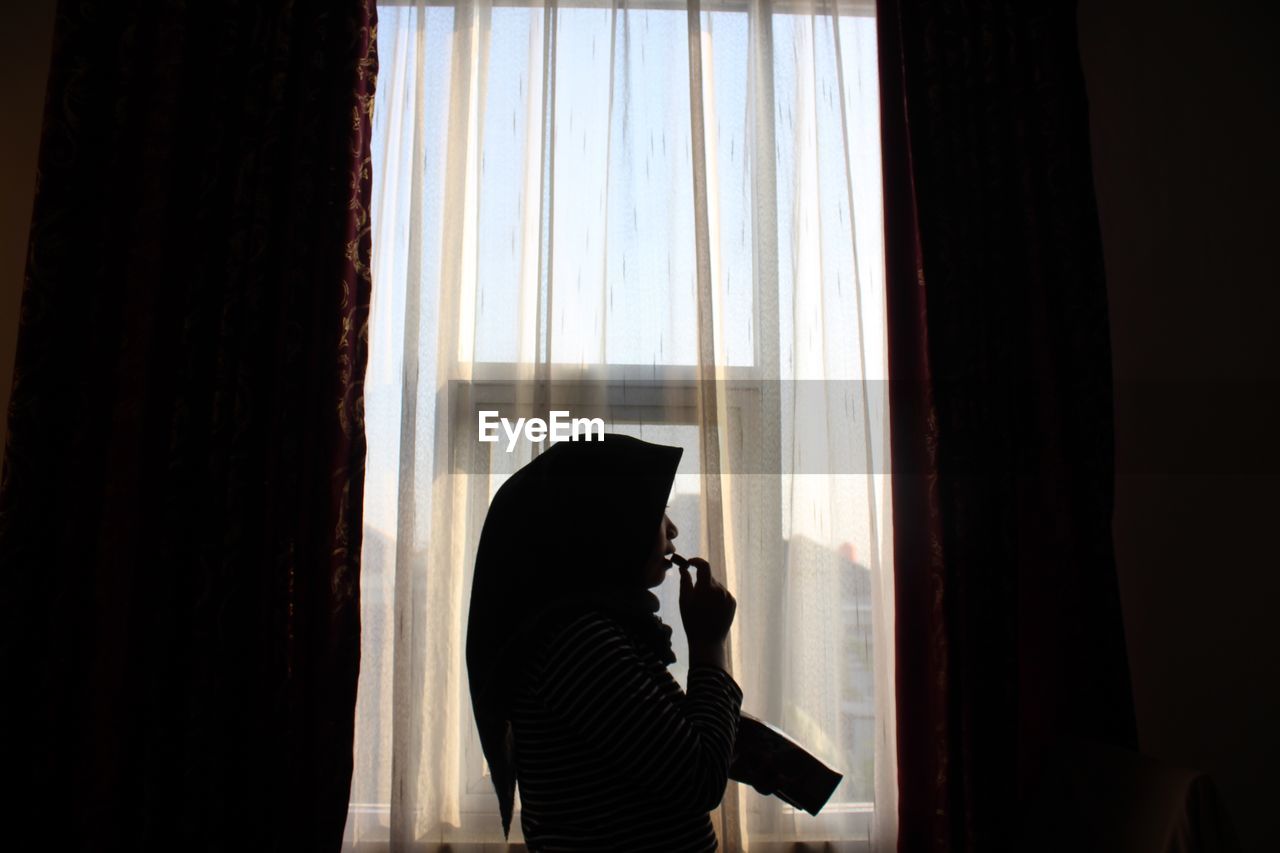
x,y
655,568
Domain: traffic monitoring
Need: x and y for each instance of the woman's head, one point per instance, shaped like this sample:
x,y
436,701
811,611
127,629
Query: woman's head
x,y
584,520
593,512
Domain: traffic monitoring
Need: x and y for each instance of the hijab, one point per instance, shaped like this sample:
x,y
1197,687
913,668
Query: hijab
x,y
569,532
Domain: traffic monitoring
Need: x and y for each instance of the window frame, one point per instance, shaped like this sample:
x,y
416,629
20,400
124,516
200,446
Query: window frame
x,y
477,829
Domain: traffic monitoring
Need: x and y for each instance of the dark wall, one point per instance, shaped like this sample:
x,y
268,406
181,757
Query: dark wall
x,y
24,64
1184,102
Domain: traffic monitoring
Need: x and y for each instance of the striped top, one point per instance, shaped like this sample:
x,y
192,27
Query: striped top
x,y
611,753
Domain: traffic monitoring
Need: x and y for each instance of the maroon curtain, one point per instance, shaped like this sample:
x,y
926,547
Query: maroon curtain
x,y
180,514
1009,634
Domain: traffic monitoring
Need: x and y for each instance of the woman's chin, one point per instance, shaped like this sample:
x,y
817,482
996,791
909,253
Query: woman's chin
x,y
655,577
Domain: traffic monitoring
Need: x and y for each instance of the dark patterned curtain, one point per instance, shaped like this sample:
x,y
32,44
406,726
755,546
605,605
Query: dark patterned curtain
x,y
1009,629
181,507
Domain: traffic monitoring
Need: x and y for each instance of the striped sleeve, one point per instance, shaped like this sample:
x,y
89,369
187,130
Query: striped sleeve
x,y
595,681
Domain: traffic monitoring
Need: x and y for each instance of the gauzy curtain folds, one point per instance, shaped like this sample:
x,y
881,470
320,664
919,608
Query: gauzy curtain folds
x,y
687,200
180,518
1009,636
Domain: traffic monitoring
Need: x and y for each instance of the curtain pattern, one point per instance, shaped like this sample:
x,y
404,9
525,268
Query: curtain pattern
x,y
180,517
1009,627
609,194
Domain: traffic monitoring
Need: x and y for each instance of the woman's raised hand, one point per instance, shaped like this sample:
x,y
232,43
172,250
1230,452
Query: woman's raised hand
x,y
707,610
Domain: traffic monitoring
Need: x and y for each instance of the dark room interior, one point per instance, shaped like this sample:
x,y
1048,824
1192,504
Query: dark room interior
x,y
1184,123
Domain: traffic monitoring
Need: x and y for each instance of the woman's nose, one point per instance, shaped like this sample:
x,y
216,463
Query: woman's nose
x,y
672,530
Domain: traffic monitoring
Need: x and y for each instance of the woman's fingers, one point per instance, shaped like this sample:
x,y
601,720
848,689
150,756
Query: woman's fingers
x,y
706,607
704,570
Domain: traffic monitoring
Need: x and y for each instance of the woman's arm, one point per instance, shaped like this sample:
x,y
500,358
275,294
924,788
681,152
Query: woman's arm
x,y
596,681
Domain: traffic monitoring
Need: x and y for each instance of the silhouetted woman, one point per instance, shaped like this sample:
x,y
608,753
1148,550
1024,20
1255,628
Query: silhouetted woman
x,y
567,658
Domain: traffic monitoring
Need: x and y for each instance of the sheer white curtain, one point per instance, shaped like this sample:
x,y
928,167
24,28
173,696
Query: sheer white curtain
x,y
657,201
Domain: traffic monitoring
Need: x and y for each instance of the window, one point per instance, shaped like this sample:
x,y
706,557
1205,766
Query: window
x,y
541,212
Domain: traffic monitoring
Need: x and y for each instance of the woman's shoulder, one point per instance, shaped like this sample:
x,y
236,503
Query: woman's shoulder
x,y
592,653
584,630
589,636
